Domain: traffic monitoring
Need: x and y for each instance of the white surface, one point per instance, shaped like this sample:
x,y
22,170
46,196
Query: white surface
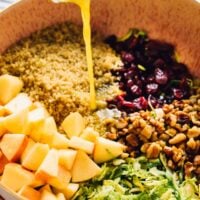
x,y
5,3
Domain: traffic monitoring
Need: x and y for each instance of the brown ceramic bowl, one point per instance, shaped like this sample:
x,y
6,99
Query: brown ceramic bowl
x,y
174,21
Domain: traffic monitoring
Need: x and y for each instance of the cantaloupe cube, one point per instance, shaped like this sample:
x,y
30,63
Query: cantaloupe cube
x,y
12,145
48,131
67,157
60,196
3,111
29,145
84,168
37,182
29,193
37,104
18,103
47,195
2,128
15,177
49,166
45,187
89,134
16,122
73,124
69,191
10,86
62,179
79,143
3,162
35,156
106,150
35,120
59,141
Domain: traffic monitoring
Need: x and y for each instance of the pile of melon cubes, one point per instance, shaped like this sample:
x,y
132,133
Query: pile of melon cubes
x,y
38,162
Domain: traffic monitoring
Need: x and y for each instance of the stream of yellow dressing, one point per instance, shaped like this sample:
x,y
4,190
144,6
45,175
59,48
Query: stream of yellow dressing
x,y
85,13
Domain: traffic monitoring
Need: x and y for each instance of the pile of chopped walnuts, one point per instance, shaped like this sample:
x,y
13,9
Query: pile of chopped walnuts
x,y
173,130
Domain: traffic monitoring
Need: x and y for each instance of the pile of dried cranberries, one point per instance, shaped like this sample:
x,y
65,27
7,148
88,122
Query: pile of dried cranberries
x,y
150,76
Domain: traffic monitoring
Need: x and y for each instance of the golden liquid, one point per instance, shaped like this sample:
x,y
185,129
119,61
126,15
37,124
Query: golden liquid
x,y
85,13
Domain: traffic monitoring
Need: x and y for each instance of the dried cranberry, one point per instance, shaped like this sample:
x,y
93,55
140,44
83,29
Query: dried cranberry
x,y
120,97
121,85
128,104
151,88
129,83
136,90
128,74
161,77
183,119
159,63
140,103
133,67
133,43
127,57
150,78
178,93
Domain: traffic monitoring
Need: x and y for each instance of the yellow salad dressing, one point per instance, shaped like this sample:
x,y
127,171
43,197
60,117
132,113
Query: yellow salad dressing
x,y
85,13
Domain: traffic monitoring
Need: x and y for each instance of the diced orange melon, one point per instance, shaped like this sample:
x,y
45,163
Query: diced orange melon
x,y
84,168
45,187
79,143
62,179
49,166
18,103
37,182
35,120
15,177
59,141
29,145
29,193
70,190
47,195
10,86
73,124
48,131
60,196
2,128
12,145
3,162
67,157
89,134
35,156
3,111
16,122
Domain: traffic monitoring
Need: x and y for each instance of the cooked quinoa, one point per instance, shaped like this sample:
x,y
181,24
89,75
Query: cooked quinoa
x,y
52,65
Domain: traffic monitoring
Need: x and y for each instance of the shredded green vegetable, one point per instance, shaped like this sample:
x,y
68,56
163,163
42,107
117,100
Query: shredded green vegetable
x,y
139,178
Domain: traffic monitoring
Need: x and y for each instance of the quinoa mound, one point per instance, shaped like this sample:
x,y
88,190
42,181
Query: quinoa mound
x,y
52,65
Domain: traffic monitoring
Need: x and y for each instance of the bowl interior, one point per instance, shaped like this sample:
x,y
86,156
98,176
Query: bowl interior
x,y
176,22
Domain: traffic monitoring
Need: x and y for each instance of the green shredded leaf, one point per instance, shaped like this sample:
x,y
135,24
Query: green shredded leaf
x,y
138,178
126,36
177,56
153,113
141,67
131,32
